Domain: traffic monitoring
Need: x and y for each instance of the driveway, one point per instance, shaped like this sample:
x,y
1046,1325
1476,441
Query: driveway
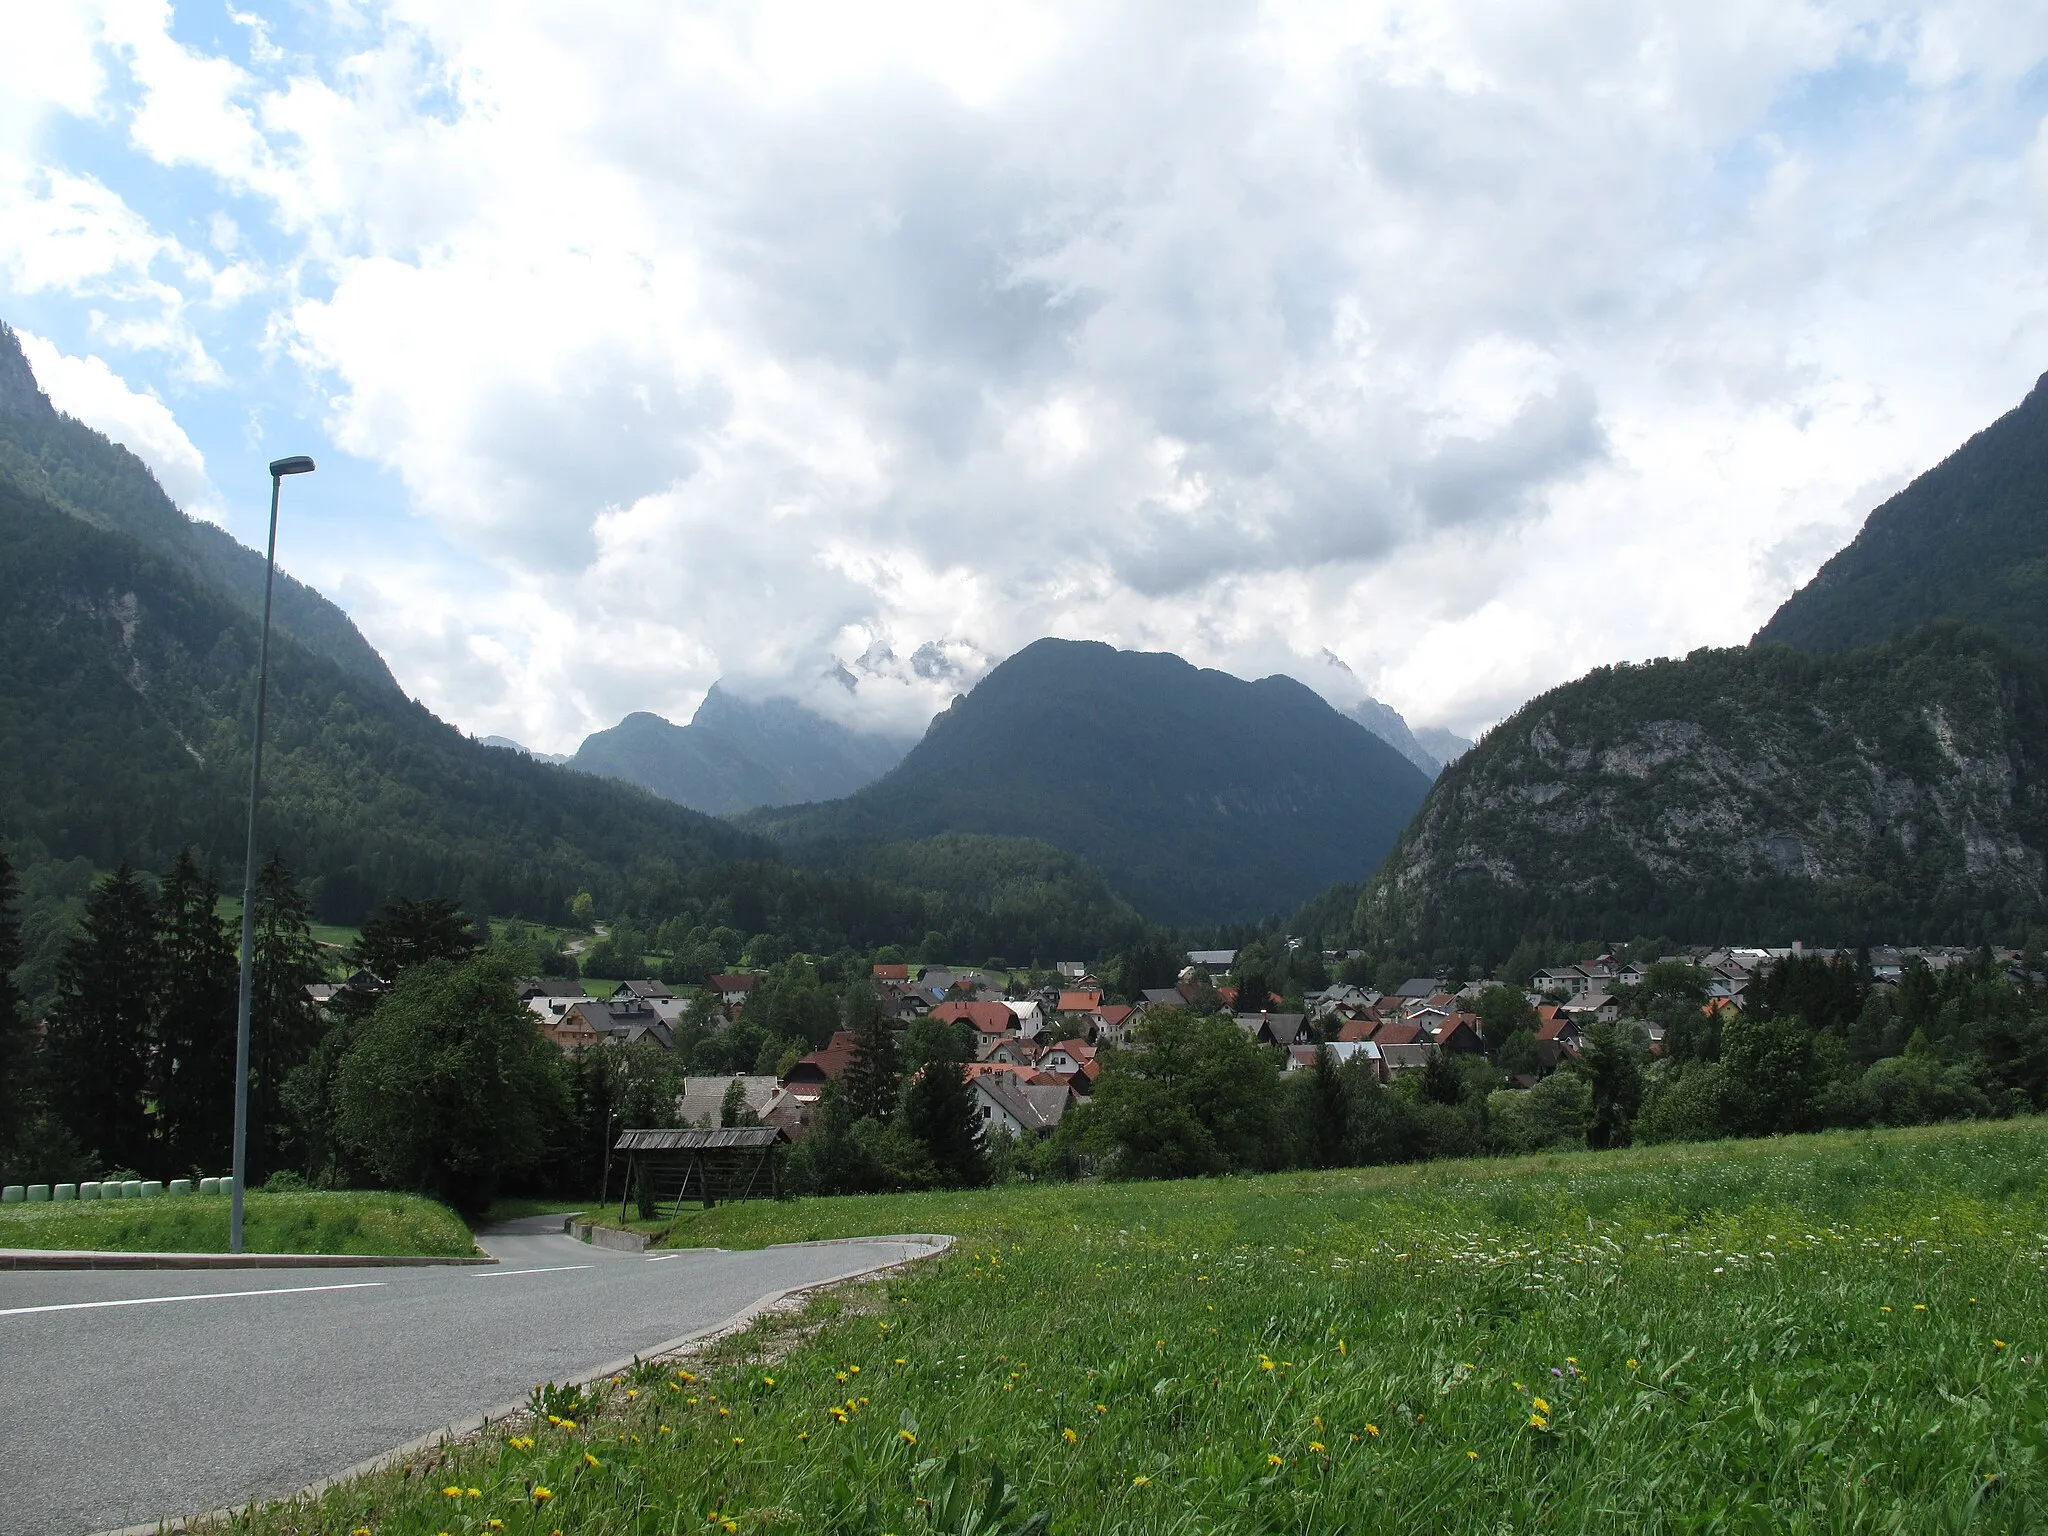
x,y
139,1395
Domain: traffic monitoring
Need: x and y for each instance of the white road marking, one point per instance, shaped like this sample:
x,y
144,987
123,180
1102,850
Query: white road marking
x,y
661,1256
556,1269
150,1301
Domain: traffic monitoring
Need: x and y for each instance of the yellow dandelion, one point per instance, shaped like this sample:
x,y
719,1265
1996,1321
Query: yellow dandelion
x,y
1471,1455
542,1495
767,1381
1102,1407
1265,1362
853,1370
1631,1362
473,1493
901,1361
663,1430
1884,1309
675,1386
1539,1405
738,1440
906,1437
728,1525
725,1413
804,1435
1317,1446
494,1525
684,1376
1537,1421
1373,1430
1342,1349
1069,1436
453,1493
839,1375
1919,1306
1141,1481
1275,1461
631,1393
590,1460
568,1423
1998,1343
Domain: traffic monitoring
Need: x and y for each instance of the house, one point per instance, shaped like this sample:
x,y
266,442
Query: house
x,y
1557,1036
1071,971
1022,1109
666,1006
1164,997
1395,1060
1302,1058
1396,1032
1114,1023
1003,1051
1276,1028
1076,1003
1357,1031
1214,961
1420,987
622,1021
1603,1007
988,1019
1459,1033
733,988
1030,1015
807,1079
1566,979
1066,1058
569,1028
702,1100
891,975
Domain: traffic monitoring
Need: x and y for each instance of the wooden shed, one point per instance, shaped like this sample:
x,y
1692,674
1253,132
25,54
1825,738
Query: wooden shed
x,y
738,1163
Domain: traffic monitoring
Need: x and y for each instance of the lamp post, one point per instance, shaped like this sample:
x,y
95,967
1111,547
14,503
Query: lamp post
x,y
298,464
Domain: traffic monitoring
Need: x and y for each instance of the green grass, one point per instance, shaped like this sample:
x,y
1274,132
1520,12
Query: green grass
x,y
1725,1338
331,936
317,1221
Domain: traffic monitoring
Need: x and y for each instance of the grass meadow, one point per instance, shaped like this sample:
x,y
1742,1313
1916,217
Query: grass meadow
x,y
1829,1333
315,1221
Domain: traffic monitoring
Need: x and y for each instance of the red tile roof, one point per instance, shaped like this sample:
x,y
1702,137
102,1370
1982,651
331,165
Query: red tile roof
x,y
1078,1002
892,973
987,1018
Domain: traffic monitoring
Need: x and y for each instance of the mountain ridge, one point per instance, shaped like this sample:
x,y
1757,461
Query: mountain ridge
x,y
1203,797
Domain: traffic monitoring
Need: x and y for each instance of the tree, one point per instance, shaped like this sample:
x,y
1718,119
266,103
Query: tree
x,y
192,1074
15,1039
97,1050
450,1088
1502,1012
732,1108
939,1111
1328,1111
408,933
1197,1096
1775,1074
871,1076
1614,1074
284,1023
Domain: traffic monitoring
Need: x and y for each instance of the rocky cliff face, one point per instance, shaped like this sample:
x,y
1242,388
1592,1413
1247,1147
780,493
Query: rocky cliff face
x,y
1891,793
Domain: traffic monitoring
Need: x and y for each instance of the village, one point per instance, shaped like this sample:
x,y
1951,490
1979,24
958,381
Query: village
x,y
1037,1052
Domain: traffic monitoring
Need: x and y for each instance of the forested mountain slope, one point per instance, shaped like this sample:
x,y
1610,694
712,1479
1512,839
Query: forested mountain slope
x,y
1967,541
66,464
125,689
736,754
1897,792
1200,796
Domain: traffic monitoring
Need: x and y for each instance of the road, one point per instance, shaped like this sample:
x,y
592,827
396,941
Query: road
x,y
141,1394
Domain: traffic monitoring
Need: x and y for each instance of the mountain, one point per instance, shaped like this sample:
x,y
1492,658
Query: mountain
x,y
1428,749
1202,797
1898,792
62,462
524,751
1966,541
736,754
1445,746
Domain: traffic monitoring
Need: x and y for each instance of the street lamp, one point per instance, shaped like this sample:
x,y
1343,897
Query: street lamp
x,y
297,464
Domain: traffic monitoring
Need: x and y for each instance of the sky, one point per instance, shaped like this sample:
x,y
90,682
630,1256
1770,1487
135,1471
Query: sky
x,y
1440,352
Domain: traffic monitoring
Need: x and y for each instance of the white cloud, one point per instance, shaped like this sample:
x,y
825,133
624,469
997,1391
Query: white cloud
x,y
87,388
1471,347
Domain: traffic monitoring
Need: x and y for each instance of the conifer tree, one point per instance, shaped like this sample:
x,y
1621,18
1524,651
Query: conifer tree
x,y
871,1076
192,1076
98,1048
939,1111
14,1032
284,1023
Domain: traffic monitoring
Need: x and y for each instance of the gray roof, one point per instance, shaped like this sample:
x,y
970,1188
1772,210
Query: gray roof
x,y
703,1097
1285,1028
1035,1106
699,1141
1168,997
1420,986
1214,959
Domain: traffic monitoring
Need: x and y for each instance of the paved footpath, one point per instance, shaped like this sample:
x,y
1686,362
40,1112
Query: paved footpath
x,y
133,1396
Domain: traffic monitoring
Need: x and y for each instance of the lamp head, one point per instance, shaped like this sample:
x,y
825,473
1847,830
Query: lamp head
x,y
297,464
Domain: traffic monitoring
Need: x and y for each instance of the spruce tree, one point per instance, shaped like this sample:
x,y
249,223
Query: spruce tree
x,y
97,1051
939,1111
871,1077
15,1040
284,1023
192,1075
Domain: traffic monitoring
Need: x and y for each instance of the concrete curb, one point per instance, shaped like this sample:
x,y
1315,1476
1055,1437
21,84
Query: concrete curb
x,y
934,1244
609,1237
72,1258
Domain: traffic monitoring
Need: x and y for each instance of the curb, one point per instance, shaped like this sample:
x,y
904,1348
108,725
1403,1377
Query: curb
x,y
935,1244
73,1258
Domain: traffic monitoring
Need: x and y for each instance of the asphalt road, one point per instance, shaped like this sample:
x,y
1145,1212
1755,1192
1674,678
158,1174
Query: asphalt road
x,y
138,1395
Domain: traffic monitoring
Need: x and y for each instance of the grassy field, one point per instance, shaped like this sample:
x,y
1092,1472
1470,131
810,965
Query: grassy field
x,y
1828,1333
322,1221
